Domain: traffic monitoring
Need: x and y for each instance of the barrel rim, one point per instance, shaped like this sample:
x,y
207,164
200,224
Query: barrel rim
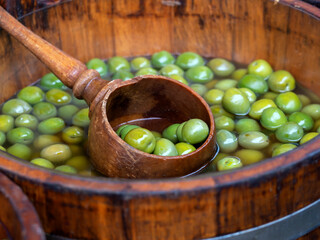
x,y
19,170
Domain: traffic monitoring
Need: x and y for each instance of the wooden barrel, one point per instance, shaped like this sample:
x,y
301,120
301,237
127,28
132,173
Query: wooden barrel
x,y
284,32
18,218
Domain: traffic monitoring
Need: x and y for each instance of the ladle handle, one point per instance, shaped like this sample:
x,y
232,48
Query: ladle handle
x,y
65,67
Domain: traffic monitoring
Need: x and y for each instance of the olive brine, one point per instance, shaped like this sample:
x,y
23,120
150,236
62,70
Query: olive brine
x,y
259,113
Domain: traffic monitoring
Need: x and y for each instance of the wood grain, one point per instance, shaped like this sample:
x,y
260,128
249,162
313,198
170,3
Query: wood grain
x,y
194,208
18,217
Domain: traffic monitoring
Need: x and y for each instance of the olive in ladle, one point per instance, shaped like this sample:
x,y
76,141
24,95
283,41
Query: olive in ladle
x,y
153,102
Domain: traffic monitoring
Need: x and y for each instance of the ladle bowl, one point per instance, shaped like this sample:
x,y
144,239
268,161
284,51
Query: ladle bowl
x,y
145,100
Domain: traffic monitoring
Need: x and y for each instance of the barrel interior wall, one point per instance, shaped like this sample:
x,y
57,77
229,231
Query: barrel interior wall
x,y
237,31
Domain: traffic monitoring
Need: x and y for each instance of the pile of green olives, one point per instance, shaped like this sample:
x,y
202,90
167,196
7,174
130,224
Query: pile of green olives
x,y
259,113
177,139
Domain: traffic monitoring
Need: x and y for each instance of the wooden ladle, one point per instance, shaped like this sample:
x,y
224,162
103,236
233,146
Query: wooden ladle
x,y
152,102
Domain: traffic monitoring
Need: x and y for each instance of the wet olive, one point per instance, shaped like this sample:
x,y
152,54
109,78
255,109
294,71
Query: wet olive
x,y
161,59
221,67
229,163
281,81
288,102
184,148
227,141
289,132
253,140
165,147
56,153
260,67
31,94
16,107
272,118
44,110
99,65
234,101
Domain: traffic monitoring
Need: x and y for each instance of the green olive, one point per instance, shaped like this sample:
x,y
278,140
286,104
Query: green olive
x,y
281,81
229,163
239,73
2,138
184,148
3,149
165,147
179,78
171,132
50,81
123,75
56,153
254,82
308,137
270,95
141,139
42,163
304,99
161,59
259,106
188,60
214,96
140,62
66,112
156,135
6,123
20,150
20,135
221,67
81,118
234,101
249,94
302,119
51,125
283,148
249,156
58,97
225,84
73,135
224,122
43,141
272,118
16,107
313,110
199,88
99,65
195,131
26,120
118,63
31,94
260,67
253,140
66,169
211,84
124,131
247,125
199,74
44,110
227,141
146,71
218,110
80,103
289,132
171,69
80,163
119,129
179,132
288,102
